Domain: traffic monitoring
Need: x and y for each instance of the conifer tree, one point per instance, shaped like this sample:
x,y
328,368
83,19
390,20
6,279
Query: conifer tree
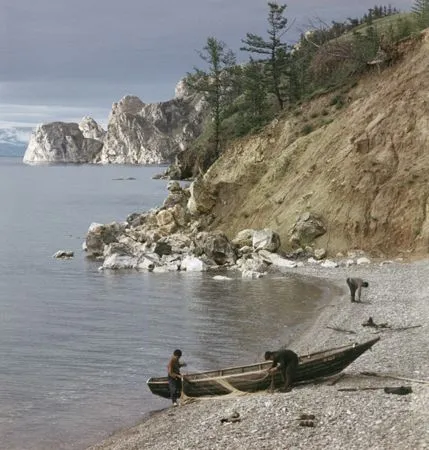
x,y
215,83
273,48
421,10
254,110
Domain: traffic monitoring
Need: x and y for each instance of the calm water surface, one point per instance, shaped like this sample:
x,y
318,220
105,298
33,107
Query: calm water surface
x,y
77,345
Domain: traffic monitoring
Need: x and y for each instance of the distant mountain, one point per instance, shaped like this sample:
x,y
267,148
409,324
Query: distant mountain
x,y
12,150
14,141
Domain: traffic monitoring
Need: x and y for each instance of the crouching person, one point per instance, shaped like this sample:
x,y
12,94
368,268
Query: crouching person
x,y
285,361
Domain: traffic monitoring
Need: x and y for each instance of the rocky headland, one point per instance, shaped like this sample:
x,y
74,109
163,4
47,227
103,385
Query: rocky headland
x,y
137,133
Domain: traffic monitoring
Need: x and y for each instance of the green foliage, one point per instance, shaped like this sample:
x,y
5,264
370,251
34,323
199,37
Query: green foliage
x,y
365,47
274,50
306,129
255,109
216,83
421,10
405,27
244,98
337,101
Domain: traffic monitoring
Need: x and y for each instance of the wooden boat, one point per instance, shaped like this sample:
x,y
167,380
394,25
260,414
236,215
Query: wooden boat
x,y
254,377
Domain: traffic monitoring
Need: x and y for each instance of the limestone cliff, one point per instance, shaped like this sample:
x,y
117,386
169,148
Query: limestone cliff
x,y
153,133
60,142
91,129
358,160
137,133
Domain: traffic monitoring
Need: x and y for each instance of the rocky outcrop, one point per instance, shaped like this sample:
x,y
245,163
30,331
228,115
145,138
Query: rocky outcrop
x,y
60,142
140,133
91,129
306,229
168,239
137,133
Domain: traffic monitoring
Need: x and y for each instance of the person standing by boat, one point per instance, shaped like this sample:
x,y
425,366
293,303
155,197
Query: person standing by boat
x,y
285,361
356,284
174,376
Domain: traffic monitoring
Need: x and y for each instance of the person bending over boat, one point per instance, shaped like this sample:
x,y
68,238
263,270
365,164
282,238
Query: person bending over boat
x,y
285,361
174,376
356,284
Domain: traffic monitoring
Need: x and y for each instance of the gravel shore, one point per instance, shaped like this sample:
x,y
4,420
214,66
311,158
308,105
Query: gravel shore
x,y
398,295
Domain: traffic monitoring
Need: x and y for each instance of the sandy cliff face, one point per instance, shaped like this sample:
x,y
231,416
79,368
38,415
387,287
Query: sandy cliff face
x,y
364,169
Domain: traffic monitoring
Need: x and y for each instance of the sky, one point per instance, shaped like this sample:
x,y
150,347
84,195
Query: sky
x,y
61,60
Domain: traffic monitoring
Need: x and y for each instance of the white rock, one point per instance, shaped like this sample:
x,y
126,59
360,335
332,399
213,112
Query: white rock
x,y
160,269
60,142
251,274
64,254
320,253
116,262
153,133
193,264
266,239
363,260
94,226
276,260
329,264
91,130
312,261
145,264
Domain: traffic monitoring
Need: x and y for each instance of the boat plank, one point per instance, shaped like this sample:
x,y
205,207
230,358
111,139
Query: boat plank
x,y
254,377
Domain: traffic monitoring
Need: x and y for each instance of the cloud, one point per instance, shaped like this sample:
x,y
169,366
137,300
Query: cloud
x,y
13,135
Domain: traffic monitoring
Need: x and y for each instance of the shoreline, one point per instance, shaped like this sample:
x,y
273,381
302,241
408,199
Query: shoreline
x,y
359,419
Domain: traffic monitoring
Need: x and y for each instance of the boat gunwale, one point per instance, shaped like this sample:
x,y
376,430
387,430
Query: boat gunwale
x,y
200,376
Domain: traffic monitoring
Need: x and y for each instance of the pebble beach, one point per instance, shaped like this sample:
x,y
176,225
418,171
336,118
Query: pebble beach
x,y
350,410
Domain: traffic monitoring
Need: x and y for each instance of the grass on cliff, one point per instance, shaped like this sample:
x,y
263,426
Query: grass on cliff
x,y
366,40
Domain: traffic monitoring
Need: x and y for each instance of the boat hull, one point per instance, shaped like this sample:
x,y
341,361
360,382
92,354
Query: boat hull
x,y
255,377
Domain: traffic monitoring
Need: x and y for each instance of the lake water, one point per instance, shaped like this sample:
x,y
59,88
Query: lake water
x,y
77,345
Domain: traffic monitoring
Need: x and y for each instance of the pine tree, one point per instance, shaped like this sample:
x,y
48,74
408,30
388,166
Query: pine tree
x,y
421,10
255,109
215,83
273,48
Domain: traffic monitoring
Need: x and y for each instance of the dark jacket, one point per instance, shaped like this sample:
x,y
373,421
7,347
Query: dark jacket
x,y
284,357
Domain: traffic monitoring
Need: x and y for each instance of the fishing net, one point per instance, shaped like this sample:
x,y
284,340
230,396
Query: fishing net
x,y
233,391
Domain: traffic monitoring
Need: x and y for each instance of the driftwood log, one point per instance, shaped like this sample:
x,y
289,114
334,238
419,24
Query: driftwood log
x,y
370,323
394,377
401,390
384,326
341,330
